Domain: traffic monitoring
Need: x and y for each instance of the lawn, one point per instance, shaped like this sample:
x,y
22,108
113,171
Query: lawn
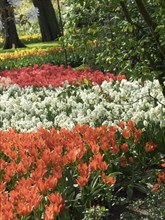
x,y
29,46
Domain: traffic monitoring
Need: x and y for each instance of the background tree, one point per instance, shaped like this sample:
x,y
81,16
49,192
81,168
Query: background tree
x,y
48,23
10,31
122,36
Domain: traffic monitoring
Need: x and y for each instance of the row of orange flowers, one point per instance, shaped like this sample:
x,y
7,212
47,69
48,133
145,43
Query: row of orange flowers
x,y
19,54
32,164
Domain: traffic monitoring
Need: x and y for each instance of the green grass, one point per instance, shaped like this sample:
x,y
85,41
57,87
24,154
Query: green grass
x,y
42,45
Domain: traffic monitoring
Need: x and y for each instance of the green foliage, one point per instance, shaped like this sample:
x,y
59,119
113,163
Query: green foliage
x,y
152,207
96,212
115,35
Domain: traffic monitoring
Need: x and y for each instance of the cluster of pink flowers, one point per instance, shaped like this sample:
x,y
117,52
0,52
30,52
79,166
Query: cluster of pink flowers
x,y
47,74
5,82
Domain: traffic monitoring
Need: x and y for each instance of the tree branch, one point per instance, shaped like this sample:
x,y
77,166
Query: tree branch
x,y
125,11
138,28
151,24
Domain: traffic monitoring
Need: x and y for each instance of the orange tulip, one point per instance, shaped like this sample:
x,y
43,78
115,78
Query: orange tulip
x,y
109,180
126,133
82,180
150,146
124,147
23,208
51,182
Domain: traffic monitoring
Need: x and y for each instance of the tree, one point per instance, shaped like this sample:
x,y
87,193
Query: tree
x,y
156,36
48,23
11,36
122,36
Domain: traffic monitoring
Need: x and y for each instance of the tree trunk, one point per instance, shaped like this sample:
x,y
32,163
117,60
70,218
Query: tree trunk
x,y
48,23
11,36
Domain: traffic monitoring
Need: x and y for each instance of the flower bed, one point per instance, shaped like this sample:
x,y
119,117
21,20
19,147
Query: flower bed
x,y
20,54
73,140
36,167
47,74
86,98
26,39
29,57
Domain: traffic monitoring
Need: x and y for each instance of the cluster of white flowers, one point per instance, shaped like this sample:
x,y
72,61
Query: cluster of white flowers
x,y
28,109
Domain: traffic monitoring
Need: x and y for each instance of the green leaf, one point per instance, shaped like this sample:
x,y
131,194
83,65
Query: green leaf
x,y
114,174
86,82
129,192
140,187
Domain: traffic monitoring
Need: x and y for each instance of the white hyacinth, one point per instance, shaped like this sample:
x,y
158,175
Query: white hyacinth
x,y
27,110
